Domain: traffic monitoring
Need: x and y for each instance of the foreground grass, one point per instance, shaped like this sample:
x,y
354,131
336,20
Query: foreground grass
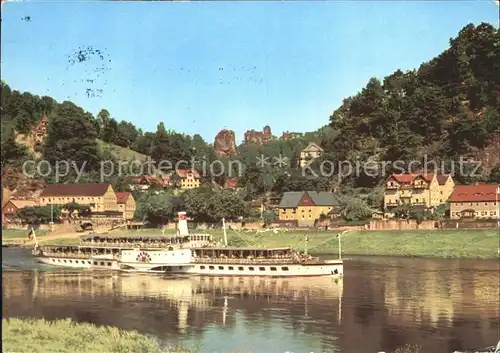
x,y
66,336
452,243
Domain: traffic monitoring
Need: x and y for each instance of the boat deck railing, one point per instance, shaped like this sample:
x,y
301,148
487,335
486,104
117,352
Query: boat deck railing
x,y
133,245
255,261
75,256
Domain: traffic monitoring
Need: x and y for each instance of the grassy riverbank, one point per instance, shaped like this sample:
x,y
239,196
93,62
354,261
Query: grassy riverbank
x,y
65,336
456,243
20,234
451,243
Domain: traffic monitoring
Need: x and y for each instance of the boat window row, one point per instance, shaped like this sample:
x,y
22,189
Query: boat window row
x,y
82,262
241,268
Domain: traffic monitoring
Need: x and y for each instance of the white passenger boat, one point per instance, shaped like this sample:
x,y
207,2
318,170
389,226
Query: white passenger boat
x,y
195,254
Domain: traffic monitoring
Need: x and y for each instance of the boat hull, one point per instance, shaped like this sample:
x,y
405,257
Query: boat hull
x,y
260,270
265,270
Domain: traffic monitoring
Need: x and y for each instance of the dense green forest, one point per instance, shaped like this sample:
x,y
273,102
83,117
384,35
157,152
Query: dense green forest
x,y
442,110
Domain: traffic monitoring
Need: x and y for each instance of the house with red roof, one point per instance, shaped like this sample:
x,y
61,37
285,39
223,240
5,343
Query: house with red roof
x,y
419,189
126,204
144,182
12,207
186,179
480,201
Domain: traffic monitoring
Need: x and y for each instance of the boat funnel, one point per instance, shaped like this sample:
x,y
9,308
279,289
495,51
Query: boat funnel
x,y
182,226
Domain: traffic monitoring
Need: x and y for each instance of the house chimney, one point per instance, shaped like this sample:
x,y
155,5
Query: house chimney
x,y
182,225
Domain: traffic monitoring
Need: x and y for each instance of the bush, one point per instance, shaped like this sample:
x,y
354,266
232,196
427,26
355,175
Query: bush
x,y
38,335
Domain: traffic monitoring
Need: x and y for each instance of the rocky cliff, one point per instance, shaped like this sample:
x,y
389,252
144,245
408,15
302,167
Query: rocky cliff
x,y
258,137
225,143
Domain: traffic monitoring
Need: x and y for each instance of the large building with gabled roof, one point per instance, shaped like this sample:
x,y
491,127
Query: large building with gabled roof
x,y
100,197
475,201
306,206
420,189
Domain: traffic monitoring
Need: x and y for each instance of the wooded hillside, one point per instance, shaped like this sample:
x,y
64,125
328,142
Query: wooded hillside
x,y
448,107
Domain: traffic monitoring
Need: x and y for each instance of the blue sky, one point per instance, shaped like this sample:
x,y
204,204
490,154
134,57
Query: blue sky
x,y
203,66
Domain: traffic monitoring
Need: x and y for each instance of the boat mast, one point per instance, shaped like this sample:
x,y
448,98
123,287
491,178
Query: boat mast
x,y
224,229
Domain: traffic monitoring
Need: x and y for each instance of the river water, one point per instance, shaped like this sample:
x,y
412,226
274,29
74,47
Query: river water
x,y
380,304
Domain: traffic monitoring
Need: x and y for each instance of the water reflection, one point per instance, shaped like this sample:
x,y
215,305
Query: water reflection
x,y
189,307
442,305
437,295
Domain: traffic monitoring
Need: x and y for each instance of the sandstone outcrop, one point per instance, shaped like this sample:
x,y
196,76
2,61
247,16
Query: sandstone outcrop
x,y
225,143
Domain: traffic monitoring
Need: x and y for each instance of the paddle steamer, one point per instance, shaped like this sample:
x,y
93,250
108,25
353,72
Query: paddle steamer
x,y
184,253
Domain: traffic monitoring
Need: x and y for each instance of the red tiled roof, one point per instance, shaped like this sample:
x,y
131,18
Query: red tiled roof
x,y
122,197
403,178
408,178
474,193
442,179
19,204
230,183
182,173
74,190
427,176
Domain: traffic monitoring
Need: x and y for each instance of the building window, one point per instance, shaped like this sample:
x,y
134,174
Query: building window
x,y
240,268
221,267
273,268
202,267
262,268
211,267
284,269
251,268
230,268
